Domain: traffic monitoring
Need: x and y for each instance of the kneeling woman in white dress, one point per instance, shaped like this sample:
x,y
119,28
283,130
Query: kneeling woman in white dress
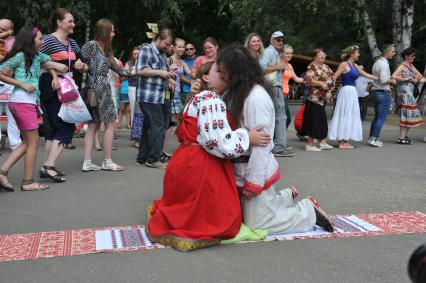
x,y
264,205
346,123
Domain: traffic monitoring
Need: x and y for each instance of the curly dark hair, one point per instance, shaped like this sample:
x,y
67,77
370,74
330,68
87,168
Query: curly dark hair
x,y
24,42
244,72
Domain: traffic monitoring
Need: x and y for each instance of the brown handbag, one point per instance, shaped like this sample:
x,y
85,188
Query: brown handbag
x,y
88,93
89,96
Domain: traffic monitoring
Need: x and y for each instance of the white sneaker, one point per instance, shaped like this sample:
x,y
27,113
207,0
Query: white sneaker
x,y
325,146
89,166
375,143
312,148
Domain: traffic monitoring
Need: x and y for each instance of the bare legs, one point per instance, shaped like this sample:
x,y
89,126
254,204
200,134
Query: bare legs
x,y
124,110
92,134
29,148
98,143
53,149
170,131
403,132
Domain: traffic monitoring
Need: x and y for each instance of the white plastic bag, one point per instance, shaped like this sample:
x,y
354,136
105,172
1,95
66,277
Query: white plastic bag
x,y
271,77
74,112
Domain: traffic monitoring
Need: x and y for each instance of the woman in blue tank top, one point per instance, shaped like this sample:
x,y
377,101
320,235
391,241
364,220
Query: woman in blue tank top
x,y
346,123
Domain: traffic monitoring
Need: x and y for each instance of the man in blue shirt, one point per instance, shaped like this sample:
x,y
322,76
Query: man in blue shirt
x,y
154,75
271,63
189,59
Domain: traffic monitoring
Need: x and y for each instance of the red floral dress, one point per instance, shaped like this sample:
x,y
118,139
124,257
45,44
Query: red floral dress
x,y
200,203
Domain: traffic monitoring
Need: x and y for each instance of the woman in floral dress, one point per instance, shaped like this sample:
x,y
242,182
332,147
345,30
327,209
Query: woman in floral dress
x,y
408,76
319,78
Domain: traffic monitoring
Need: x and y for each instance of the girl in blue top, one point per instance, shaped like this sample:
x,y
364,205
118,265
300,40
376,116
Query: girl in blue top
x,y
25,61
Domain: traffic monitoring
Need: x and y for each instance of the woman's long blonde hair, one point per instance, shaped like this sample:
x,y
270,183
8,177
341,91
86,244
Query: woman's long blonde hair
x,y
246,44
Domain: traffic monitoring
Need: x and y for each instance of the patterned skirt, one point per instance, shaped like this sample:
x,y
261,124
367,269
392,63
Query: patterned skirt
x,y
176,105
136,131
410,115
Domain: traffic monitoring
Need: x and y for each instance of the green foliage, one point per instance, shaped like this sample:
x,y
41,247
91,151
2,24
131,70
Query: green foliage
x,y
331,24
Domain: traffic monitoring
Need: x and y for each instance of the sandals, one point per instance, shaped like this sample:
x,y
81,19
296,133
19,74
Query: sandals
x,y
43,174
405,140
345,146
56,178
109,165
37,187
4,183
98,148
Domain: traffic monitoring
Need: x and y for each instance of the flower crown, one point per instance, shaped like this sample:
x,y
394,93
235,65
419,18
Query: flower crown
x,y
347,50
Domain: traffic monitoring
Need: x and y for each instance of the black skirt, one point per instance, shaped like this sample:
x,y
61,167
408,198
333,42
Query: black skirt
x,y
315,121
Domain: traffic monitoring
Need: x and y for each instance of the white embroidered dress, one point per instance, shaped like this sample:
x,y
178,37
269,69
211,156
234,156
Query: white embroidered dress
x,y
272,209
214,133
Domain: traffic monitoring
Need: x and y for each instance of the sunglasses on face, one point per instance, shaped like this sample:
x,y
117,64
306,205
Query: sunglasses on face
x,y
280,40
189,49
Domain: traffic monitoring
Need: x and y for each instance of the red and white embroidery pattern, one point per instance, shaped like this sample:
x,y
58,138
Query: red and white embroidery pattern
x,y
79,242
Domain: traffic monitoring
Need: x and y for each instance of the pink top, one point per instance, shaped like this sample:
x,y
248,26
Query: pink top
x,y
200,61
8,43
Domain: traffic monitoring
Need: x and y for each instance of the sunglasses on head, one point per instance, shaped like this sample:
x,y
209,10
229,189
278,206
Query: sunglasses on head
x,y
188,49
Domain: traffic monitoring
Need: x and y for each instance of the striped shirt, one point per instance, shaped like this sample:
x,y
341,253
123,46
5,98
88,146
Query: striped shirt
x,y
151,89
58,52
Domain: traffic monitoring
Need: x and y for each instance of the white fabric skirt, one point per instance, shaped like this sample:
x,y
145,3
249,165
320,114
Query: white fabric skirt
x,y
275,211
346,123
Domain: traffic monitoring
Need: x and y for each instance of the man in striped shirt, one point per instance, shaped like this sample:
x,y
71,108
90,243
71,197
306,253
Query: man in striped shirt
x,y
153,72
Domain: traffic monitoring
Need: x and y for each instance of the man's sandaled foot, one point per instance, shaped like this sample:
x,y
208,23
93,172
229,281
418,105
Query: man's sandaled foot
x,y
45,175
52,173
30,185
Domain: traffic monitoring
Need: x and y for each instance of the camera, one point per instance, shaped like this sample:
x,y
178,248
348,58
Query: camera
x,y
417,265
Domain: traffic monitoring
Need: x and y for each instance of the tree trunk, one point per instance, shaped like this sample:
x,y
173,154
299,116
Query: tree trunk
x,y
87,34
371,36
421,103
86,39
407,23
397,29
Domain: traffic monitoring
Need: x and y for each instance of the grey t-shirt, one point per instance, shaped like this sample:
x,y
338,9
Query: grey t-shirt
x,y
382,70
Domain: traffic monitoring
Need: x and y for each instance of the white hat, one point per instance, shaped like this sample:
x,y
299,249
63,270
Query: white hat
x,y
277,34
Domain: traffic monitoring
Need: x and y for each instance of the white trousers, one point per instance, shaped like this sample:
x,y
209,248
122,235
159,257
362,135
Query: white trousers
x,y
132,100
275,211
13,133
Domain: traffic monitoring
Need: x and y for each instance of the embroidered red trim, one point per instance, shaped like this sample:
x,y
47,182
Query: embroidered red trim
x,y
257,189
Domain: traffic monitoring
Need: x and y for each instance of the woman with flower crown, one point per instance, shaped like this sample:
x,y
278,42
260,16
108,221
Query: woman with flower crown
x,y
346,123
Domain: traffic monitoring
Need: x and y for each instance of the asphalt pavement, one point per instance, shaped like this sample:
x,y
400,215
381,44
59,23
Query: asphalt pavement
x,y
362,180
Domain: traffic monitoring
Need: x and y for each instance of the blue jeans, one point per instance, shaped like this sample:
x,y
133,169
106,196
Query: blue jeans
x,y
156,120
382,103
280,132
287,112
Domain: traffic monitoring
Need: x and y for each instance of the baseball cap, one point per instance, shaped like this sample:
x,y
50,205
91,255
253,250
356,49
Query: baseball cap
x,y
278,34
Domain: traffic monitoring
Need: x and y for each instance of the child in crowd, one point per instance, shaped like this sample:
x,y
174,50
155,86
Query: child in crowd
x,y
25,61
